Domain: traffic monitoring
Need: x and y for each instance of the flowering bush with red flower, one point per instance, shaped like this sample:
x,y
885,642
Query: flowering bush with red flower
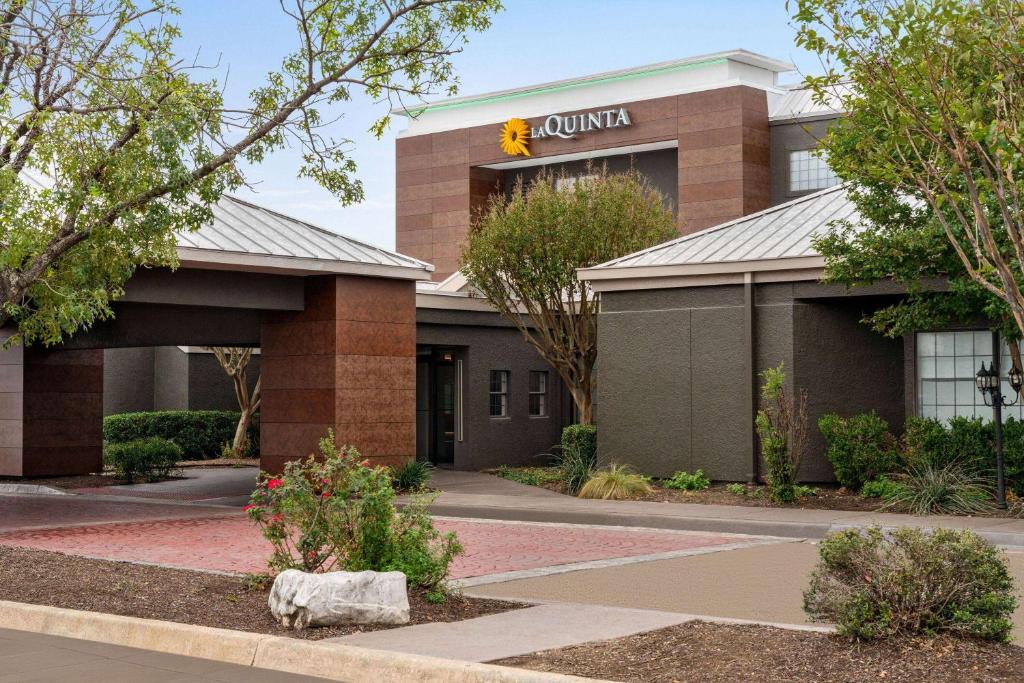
x,y
335,512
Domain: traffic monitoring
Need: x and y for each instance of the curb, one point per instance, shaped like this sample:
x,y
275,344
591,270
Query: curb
x,y
32,489
748,527
332,661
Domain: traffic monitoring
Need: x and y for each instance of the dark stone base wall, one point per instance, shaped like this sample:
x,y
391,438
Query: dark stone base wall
x,y
347,362
63,412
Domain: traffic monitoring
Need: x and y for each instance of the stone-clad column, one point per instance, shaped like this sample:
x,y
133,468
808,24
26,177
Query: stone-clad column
x,y
348,361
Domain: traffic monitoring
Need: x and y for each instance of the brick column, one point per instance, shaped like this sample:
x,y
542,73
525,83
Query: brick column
x,y
347,361
51,412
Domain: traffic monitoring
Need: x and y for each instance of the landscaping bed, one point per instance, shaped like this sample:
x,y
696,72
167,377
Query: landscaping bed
x,y
706,652
188,597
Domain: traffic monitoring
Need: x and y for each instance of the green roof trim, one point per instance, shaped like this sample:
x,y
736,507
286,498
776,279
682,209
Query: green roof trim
x,y
560,87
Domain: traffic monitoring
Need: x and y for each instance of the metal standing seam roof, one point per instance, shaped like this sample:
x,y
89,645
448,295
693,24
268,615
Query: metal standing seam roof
x,y
244,228
798,103
780,232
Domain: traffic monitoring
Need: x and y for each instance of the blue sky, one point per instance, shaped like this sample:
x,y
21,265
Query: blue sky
x,y
531,41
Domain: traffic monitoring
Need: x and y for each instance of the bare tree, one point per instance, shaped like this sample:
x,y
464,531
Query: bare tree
x,y
235,361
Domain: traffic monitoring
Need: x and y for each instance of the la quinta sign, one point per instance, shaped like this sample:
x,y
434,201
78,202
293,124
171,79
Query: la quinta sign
x,y
568,127
516,133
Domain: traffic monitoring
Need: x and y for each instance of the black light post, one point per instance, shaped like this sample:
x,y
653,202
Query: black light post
x,y
990,386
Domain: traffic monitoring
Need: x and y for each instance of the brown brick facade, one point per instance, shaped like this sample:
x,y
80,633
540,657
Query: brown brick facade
x,y
723,171
347,362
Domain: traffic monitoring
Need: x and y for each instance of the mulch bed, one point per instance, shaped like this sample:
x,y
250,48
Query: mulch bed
x,y
705,652
188,597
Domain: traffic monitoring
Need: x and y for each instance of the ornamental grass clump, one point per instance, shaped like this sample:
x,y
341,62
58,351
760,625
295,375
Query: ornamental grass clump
x,y
616,482
949,490
874,584
336,513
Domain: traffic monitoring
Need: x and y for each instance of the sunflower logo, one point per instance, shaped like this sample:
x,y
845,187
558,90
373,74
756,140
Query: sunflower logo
x,y
515,138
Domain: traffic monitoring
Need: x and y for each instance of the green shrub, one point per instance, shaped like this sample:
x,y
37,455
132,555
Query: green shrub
x,y
883,487
615,482
576,465
949,490
687,482
583,437
876,584
531,476
803,491
337,513
411,476
1013,455
860,448
736,489
971,444
200,433
925,442
152,458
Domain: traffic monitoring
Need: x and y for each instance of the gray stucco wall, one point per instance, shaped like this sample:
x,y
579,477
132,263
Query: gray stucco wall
x,y
787,137
167,378
127,380
674,385
484,342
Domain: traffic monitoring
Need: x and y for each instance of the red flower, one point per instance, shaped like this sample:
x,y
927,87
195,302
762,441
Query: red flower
x,y
325,480
274,483
248,507
276,518
325,494
365,463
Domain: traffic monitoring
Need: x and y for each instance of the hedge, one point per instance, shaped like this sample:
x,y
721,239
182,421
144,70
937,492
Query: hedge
x,y
152,458
201,434
583,437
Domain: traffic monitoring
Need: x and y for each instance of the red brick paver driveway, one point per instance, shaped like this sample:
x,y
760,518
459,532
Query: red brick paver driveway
x,y
232,544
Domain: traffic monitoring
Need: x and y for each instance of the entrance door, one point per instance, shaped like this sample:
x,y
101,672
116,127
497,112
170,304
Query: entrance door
x,y
444,403
436,405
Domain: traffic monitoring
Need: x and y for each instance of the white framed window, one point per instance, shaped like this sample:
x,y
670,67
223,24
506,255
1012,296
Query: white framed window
x,y
809,171
538,393
947,364
499,393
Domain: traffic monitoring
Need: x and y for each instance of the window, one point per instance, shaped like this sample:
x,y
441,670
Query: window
x,y
538,393
808,171
499,393
947,363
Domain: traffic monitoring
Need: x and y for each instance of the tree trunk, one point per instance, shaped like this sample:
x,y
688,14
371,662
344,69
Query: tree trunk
x,y
235,360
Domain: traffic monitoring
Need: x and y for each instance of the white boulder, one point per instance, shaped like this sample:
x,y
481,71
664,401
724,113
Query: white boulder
x,y
299,599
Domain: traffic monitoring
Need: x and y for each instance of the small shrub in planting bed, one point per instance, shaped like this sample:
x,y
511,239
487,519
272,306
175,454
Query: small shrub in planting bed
x,y
883,487
860,448
337,513
576,465
583,437
531,476
782,429
685,481
874,584
736,489
152,458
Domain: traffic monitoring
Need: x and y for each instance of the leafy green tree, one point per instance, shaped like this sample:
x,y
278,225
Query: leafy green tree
x,y
525,249
110,144
933,147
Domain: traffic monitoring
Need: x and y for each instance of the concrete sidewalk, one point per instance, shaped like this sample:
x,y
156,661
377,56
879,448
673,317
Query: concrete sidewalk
x,y
489,497
518,632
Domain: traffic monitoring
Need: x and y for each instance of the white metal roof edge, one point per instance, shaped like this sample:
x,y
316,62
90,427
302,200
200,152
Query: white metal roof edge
x,y
217,259
738,55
